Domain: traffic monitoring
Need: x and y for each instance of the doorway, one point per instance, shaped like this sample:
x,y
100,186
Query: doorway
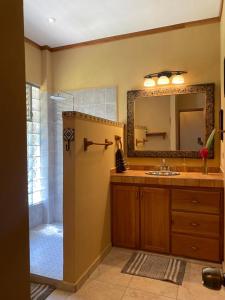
x,y
191,129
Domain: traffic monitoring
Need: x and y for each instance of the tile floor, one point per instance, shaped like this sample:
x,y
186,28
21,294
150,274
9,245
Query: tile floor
x,y
46,251
107,283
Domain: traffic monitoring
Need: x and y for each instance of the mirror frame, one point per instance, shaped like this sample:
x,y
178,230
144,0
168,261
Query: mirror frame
x,y
208,89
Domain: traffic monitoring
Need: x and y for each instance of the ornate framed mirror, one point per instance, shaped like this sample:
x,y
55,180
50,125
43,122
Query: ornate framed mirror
x,y
170,122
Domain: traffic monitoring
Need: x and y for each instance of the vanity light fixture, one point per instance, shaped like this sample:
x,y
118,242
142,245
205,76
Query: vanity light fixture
x,y
178,79
164,78
149,82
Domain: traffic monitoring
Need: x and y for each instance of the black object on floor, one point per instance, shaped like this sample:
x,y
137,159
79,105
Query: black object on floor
x,y
213,278
40,291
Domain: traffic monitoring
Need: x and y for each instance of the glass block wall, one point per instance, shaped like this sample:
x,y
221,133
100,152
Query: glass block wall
x,y
33,144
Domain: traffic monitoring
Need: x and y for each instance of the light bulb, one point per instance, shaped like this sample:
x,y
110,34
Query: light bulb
x,y
51,20
163,80
149,82
178,79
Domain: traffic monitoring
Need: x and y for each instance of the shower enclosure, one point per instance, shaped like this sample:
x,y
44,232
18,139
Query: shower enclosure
x,y
45,168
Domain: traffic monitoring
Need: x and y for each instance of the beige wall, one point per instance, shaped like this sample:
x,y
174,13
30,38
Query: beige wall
x,y
154,113
33,63
14,252
87,196
38,67
124,63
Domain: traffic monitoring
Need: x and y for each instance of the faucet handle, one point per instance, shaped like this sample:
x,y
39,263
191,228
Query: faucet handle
x,y
164,166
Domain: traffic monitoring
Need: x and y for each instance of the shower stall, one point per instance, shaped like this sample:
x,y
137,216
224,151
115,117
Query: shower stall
x,y
45,168
45,182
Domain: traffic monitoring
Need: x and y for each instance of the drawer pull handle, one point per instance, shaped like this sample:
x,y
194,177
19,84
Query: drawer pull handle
x,y
194,248
194,224
195,201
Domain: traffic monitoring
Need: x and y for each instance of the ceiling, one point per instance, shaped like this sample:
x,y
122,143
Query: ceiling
x,y
85,20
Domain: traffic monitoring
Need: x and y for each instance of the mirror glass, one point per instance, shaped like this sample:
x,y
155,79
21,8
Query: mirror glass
x,y
170,123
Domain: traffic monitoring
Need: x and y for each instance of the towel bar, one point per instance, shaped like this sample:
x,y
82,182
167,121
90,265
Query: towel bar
x,y
88,143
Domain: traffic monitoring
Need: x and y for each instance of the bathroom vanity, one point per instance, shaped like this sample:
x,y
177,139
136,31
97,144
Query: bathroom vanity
x,y
180,215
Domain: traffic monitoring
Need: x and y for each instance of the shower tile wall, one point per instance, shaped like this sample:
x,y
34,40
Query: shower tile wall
x,y
36,215
45,156
100,102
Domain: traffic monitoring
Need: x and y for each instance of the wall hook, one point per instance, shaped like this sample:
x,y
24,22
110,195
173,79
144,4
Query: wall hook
x,y
68,136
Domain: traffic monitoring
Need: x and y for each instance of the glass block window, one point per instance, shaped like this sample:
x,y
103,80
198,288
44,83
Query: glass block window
x,y
29,101
33,143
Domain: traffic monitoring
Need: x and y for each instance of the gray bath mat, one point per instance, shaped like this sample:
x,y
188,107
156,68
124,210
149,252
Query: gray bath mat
x,y
156,266
40,291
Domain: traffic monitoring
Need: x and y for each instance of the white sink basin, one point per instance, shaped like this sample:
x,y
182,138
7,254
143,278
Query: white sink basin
x,y
162,173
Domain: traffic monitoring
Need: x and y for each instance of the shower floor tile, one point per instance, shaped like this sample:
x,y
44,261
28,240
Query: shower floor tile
x,y
46,251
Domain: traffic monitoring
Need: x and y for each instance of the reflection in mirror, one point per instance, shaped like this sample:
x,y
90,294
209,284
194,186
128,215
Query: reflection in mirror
x,y
170,123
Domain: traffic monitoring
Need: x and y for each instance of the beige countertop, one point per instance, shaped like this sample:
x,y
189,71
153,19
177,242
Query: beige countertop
x,y
197,179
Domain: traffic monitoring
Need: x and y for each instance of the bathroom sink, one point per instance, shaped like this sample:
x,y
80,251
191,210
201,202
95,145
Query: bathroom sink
x,y
162,173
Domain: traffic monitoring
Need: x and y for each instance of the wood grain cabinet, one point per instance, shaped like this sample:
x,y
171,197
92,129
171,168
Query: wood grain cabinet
x,y
140,218
179,221
125,216
154,219
197,224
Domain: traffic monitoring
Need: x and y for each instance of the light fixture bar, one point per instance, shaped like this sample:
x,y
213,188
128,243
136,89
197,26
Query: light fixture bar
x,y
164,78
165,73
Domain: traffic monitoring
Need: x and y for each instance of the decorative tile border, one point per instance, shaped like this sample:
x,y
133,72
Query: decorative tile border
x,y
83,116
178,168
185,179
207,89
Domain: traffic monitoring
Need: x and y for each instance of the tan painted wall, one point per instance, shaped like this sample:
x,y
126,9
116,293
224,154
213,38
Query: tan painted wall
x,y
87,196
14,254
33,63
154,113
124,63
38,67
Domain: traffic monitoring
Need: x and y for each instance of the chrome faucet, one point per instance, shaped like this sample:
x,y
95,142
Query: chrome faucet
x,y
164,166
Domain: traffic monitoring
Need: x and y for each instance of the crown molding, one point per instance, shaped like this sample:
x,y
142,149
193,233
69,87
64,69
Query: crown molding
x,y
36,45
130,35
32,43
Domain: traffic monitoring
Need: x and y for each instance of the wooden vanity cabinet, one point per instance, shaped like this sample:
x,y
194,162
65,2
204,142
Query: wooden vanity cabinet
x,y
179,221
154,219
140,218
125,216
197,224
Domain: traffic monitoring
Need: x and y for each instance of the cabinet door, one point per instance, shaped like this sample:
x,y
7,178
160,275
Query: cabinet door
x,y
125,216
155,219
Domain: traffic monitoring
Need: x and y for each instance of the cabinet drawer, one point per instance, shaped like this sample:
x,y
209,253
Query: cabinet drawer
x,y
195,247
192,223
196,201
